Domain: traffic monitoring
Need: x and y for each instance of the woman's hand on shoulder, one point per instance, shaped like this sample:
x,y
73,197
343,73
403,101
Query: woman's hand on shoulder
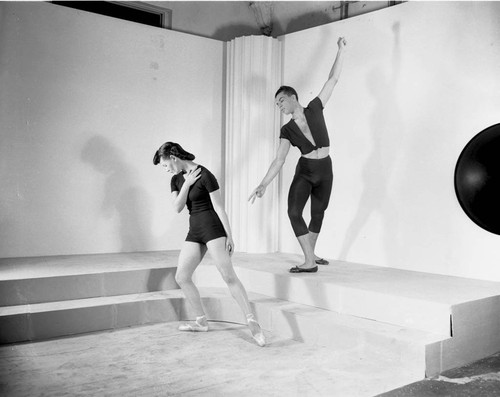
x,y
192,176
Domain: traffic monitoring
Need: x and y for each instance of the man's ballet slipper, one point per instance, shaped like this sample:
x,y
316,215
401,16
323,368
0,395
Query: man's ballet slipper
x,y
297,269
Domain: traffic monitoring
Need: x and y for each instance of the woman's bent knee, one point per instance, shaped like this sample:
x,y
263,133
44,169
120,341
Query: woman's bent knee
x,y
182,279
229,277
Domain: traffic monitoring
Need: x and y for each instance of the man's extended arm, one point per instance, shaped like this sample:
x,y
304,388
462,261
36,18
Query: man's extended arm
x,y
334,75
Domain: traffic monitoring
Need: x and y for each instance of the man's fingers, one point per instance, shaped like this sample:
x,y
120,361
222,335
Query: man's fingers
x,y
252,196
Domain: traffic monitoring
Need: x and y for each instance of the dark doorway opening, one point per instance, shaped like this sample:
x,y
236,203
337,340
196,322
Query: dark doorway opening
x,y
130,11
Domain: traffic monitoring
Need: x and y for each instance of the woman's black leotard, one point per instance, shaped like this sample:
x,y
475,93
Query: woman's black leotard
x,y
204,223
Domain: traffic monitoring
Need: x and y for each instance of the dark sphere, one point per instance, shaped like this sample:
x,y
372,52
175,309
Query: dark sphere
x,y
477,179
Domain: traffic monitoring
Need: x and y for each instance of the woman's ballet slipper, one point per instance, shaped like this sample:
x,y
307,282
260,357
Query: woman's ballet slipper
x,y
200,325
322,261
256,331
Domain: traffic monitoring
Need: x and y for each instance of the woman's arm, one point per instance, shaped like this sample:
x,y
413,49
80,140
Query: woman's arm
x,y
180,198
273,170
334,75
216,199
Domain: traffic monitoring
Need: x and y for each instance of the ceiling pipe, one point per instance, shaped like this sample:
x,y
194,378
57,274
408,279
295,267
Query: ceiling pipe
x,y
263,12
344,10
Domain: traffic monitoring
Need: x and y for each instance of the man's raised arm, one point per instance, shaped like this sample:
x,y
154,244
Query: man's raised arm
x,y
334,75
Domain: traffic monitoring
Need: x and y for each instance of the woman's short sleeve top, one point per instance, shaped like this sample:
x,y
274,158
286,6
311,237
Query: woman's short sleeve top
x,y
198,199
316,122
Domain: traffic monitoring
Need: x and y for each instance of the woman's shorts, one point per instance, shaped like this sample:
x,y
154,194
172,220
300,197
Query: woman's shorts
x,y
205,226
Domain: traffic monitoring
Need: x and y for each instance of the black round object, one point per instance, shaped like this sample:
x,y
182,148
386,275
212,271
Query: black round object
x,y
477,179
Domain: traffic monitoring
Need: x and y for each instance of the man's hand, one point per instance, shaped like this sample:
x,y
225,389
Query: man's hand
x,y
341,42
258,192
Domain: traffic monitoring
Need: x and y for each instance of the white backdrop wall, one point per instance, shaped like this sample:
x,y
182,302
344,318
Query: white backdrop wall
x,y
85,100
419,81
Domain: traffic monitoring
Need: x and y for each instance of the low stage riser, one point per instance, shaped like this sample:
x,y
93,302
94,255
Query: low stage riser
x,y
409,316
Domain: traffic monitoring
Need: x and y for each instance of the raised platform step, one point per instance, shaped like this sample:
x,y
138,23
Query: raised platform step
x,y
410,299
326,328
466,310
302,323
360,295
50,279
54,319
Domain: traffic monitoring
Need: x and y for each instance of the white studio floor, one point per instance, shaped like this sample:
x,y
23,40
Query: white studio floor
x,y
158,360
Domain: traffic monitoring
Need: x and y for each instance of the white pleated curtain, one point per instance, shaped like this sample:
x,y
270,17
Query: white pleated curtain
x,y
252,135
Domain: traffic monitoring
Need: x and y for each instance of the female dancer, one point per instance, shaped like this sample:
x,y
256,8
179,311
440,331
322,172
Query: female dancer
x,y
196,187
313,175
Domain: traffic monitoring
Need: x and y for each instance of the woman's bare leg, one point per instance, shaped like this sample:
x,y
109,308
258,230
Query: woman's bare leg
x,y
189,259
218,252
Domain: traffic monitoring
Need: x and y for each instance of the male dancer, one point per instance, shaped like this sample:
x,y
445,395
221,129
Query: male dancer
x,y
313,175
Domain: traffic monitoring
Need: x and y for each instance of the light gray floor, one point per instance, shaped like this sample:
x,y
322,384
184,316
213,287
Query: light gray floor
x,y
158,360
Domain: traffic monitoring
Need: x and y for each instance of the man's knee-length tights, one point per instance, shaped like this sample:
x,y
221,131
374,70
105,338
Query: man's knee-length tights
x,y
313,178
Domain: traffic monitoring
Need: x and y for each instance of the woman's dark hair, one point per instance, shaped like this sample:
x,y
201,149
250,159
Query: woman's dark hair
x,y
288,91
171,149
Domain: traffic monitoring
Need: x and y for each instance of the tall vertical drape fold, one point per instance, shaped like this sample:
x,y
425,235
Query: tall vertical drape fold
x,y
252,135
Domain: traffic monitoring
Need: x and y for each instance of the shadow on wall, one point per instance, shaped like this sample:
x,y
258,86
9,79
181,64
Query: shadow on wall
x,y
386,132
123,197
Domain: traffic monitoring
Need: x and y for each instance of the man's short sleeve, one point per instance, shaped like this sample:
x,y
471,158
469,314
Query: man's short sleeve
x,y
284,133
316,104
